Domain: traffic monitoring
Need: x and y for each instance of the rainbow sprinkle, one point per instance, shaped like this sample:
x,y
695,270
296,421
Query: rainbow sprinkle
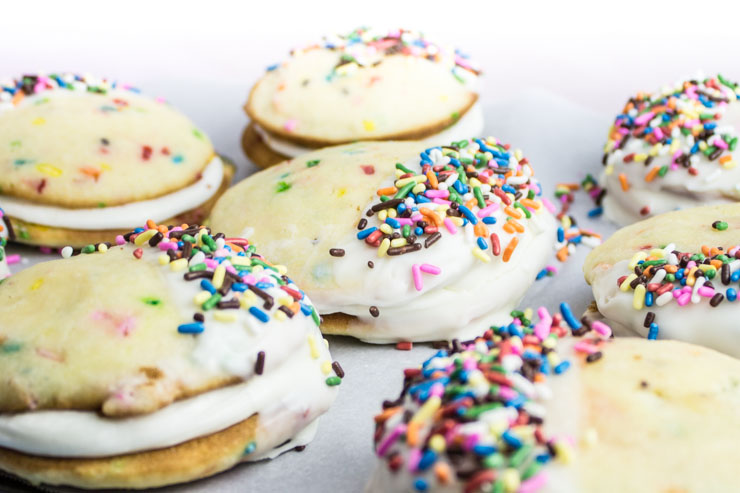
x,y
473,412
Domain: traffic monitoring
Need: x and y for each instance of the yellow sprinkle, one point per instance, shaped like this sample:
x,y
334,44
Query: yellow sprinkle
x,y
144,237
326,342
369,125
38,121
392,213
481,255
418,189
553,359
105,166
250,298
201,297
405,181
518,154
282,270
705,267
179,264
511,480
638,299
563,451
312,347
37,284
437,443
690,279
427,409
640,157
163,259
48,170
528,313
341,192
625,286
226,316
257,270
702,145
383,248
280,316
609,170
326,367
285,300
655,252
386,228
635,259
566,222
382,215
240,261
218,277
457,220
730,164
102,248
655,149
550,342
398,242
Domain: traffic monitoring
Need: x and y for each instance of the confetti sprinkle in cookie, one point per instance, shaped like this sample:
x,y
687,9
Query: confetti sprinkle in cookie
x,y
673,276
163,326
673,149
365,85
87,154
528,407
397,241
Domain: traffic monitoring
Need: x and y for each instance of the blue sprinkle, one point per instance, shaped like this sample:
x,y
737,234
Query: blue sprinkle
x,y
541,274
427,460
679,274
561,234
489,220
273,67
208,286
264,285
731,294
306,309
484,449
177,159
365,233
542,458
517,402
193,328
420,199
392,222
710,125
563,366
259,314
138,230
653,331
401,208
514,330
239,286
508,189
649,298
250,448
596,212
418,231
568,316
735,277
511,439
421,484
469,214
576,240
482,243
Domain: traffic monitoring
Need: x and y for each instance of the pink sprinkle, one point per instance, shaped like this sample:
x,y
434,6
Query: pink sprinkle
x,y
430,269
249,279
690,265
551,268
471,441
160,99
533,484
549,205
644,118
413,459
403,221
416,216
386,444
658,133
623,131
441,201
13,259
584,346
720,143
290,125
469,364
120,240
231,270
210,263
434,194
683,299
166,245
601,328
506,393
437,390
416,273
485,212
450,226
706,291
221,252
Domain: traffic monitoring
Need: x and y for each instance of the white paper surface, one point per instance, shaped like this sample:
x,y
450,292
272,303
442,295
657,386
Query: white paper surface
x,y
563,141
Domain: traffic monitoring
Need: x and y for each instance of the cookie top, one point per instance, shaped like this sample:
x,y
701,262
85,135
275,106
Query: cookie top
x,y
164,314
79,142
675,278
365,85
394,233
673,149
527,407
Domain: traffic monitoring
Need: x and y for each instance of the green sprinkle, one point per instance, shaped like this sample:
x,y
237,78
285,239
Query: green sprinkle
x,y
653,262
670,277
663,170
89,249
282,186
333,381
187,238
198,133
10,347
197,267
403,168
153,301
479,197
212,301
455,115
732,143
404,190
709,150
406,230
710,273
15,144
208,240
524,209
315,317
312,163
494,461
726,82
719,225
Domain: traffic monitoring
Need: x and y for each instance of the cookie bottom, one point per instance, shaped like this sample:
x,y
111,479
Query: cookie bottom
x,y
188,461
47,236
257,151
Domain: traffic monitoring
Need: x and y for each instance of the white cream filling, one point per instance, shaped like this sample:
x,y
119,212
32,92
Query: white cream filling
x,y
127,216
714,184
697,323
288,399
471,124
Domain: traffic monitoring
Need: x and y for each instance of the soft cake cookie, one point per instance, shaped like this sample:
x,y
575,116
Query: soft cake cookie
x,y
4,272
181,352
395,241
673,149
673,276
528,408
367,85
82,159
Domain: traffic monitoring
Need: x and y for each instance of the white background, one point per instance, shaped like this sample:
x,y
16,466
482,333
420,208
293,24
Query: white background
x,y
556,73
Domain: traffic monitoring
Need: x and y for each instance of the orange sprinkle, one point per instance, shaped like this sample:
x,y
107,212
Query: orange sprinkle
x,y
570,186
510,248
716,263
432,179
383,417
624,182
705,250
18,97
480,230
562,254
671,269
234,248
295,307
530,203
470,203
387,191
442,472
433,216
725,158
509,228
412,434
91,172
539,377
513,212
714,251
151,224
652,174
517,226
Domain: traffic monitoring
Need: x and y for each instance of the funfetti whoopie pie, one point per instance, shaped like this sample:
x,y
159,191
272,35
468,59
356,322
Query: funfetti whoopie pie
x,y
366,85
168,355
673,149
4,272
546,404
83,159
398,241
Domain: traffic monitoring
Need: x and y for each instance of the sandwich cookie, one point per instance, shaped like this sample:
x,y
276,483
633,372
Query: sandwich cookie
x,y
395,241
673,276
367,85
84,159
528,408
673,149
4,272
181,352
